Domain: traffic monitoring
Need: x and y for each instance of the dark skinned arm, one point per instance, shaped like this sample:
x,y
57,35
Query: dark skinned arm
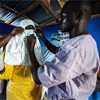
x,y
4,39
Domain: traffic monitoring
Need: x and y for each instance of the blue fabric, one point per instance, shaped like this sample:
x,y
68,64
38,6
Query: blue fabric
x,y
5,28
93,28
51,33
95,96
50,29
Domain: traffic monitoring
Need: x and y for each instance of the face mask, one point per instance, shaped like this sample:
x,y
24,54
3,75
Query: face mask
x,y
64,36
59,38
28,33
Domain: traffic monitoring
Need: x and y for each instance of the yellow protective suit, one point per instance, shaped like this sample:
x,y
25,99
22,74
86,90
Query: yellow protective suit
x,y
21,85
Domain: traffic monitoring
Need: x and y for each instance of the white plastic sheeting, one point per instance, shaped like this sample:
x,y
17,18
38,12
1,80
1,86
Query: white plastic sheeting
x,y
16,47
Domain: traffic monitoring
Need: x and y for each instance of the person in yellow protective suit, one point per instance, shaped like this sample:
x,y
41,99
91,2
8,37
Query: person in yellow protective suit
x,y
21,85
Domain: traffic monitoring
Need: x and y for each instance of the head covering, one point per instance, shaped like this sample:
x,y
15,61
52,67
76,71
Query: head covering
x,y
24,23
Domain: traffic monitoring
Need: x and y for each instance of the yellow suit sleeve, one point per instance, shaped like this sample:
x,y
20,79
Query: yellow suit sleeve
x,y
7,73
